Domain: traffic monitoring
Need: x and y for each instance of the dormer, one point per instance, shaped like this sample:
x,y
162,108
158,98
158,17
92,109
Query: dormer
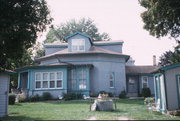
x,y
78,42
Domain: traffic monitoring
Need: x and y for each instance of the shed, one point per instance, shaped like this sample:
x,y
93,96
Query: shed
x,y
167,88
4,89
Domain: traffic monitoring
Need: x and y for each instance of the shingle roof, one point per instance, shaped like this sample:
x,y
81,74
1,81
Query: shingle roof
x,y
141,69
92,50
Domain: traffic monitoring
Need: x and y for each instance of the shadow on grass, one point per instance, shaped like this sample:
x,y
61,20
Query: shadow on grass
x,y
131,101
11,117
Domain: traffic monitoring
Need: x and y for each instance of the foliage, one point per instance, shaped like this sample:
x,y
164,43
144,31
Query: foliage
x,y
146,92
161,17
35,98
72,96
46,96
12,99
110,94
122,94
83,25
93,95
174,112
21,22
21,98
149,100
169,57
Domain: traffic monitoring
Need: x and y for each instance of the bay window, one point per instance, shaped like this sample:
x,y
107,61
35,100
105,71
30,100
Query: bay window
x,y
49,80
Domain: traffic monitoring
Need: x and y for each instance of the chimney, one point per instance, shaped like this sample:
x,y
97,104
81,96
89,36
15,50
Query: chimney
x,y
154,60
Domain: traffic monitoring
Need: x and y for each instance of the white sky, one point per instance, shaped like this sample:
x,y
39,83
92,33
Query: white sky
x,y
120,19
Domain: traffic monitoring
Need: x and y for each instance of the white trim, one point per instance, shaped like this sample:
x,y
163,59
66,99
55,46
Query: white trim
x,y
142,81
48,79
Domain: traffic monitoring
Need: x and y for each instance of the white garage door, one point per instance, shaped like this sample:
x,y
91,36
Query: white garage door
x,y
4,87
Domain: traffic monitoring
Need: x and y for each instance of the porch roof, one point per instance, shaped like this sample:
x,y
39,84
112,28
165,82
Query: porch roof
x,y
52,65
141,69
2,70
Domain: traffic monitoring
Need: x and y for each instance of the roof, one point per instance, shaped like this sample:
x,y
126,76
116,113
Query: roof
x,y
92,50
111,42
170,67
83,34
141,69
2,70
52,65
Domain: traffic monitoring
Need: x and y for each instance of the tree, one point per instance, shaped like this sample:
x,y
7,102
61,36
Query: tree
x,y
21,22
170,57
162,17
83,25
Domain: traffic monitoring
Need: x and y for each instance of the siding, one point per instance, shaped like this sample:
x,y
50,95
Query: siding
x,y
172,97
4,88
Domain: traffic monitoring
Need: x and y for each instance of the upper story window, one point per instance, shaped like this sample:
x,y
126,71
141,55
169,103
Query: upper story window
x,y
78,45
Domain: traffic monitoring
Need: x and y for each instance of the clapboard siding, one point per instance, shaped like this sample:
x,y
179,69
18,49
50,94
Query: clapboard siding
x,y
4,87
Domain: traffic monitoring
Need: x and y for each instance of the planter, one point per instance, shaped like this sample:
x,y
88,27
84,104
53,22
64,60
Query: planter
x,y
102,105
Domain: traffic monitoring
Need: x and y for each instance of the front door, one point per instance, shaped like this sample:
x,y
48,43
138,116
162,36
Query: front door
x,y
132,86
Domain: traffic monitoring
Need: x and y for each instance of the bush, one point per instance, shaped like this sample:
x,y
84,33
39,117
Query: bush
x,y
46,96
110,94
72,96
122,94
146,92
35,98
12,99
102,92
93,95
21,98
174,113
149,100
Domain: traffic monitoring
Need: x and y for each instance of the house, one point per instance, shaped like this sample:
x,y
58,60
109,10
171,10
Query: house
x,y
167,87
4,90
82,66
138,77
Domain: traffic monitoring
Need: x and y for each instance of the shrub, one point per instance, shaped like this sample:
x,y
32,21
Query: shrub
x,y
102,92
35,98
72,96
146,92
46,96
174,113
12,99
149,100
110,94
21,98
93,95
122,94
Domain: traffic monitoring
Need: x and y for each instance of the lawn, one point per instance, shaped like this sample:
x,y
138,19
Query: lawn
x,y
79,110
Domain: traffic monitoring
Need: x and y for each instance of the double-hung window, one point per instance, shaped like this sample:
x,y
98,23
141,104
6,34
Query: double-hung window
x,y
78,45
144,82
49,80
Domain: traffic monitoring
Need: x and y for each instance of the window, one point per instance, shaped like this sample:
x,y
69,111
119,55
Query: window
x,y
111,80
49,80
82,79
144,82
131,81
78,45
72,82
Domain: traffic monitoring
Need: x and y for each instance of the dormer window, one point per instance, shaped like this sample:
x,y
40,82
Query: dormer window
x,y
78,45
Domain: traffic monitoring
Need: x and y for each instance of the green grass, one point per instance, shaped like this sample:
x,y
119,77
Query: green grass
x,y
79,110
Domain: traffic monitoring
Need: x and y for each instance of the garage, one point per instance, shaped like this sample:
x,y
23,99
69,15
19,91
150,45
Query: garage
x,y
4,90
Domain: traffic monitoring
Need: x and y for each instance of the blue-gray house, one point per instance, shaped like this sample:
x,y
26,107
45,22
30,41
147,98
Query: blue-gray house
x,y
81,65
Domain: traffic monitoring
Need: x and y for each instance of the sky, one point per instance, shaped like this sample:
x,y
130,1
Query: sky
x,y
120,19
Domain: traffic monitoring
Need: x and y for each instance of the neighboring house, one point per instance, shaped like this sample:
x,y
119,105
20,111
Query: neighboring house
x,y
80,65
4,90
167,87
138,77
